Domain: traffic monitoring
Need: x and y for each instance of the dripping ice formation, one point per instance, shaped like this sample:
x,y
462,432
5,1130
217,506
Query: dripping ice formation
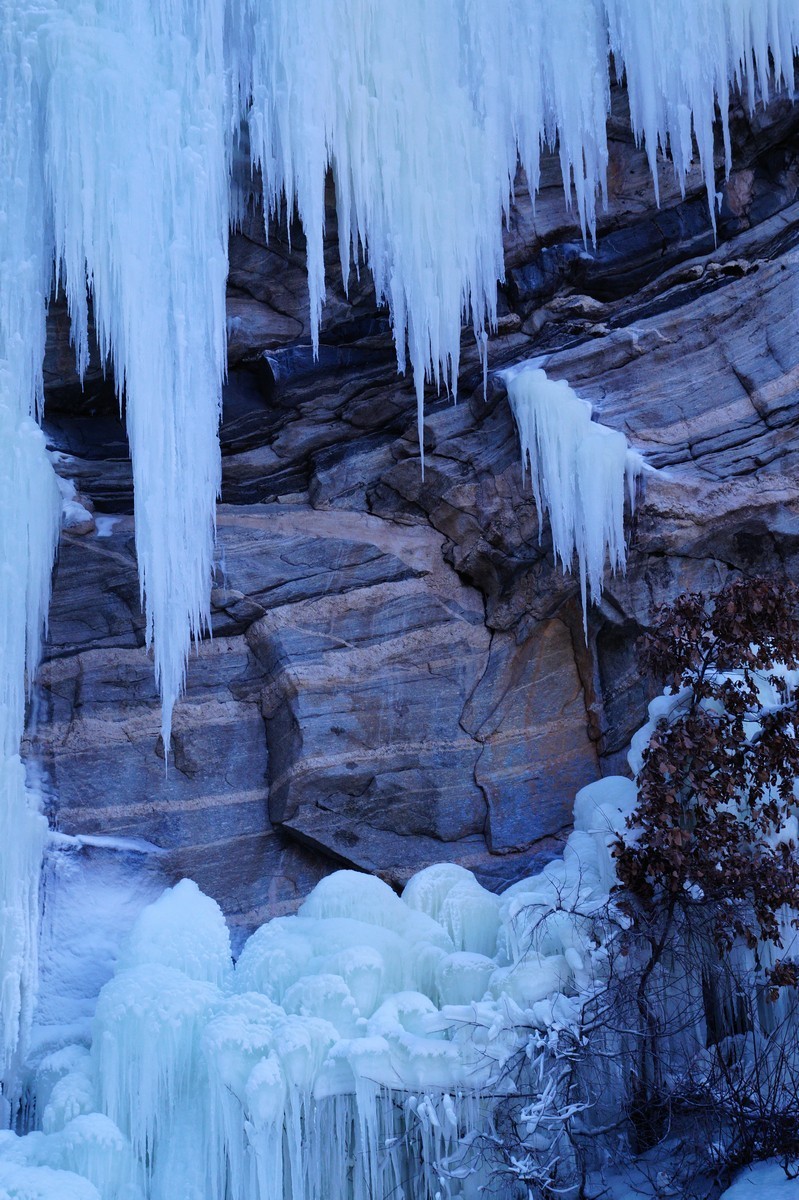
x,y
30,505
135,112
345,1055
135,129
580,472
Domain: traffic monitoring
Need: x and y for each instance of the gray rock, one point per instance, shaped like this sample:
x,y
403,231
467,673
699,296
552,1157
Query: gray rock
x,y
398,672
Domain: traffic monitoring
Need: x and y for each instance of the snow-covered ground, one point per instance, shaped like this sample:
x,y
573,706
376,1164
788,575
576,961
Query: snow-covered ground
x,y
763,1181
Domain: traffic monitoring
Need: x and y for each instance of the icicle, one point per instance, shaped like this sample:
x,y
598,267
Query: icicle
x,y
137,167
680,59
579,471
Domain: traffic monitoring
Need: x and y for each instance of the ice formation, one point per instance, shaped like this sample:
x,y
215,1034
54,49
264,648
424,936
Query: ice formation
x,y
580,472
355,1050
346,1055
30,507
120,122
135,121
123,121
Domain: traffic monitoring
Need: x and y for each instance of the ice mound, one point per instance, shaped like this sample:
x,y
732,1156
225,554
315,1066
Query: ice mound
x,y
182,929
347,1053
43,1183
86,1160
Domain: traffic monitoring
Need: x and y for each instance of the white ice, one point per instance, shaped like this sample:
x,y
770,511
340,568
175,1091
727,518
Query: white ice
x,y
119,124
30,507
92,890
347,1051
122,146
350,1050
135,122
75,516
581,474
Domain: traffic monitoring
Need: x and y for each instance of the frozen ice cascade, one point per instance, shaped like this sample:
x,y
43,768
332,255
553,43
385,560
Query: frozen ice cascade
x,y
580,472
30,504
349,1054
353,1051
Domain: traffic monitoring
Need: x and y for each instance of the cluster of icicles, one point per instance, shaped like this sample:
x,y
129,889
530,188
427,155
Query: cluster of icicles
x,y
348,1054
121,122
581,472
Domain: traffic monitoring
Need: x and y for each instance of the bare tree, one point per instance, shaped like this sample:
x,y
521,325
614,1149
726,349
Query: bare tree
x,y
687,1041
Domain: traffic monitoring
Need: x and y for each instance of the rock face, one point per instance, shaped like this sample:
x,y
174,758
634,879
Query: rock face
x,y
398,672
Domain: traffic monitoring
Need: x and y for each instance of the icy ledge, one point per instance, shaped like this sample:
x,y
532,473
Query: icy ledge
x,y
343,1057
580,472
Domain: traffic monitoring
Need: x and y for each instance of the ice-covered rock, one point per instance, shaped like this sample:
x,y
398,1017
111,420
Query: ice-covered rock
x,y
76,517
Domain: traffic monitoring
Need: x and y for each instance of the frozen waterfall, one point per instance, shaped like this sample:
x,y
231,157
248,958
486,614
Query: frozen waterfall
x,y
30,505
131,113
350,1054
119,123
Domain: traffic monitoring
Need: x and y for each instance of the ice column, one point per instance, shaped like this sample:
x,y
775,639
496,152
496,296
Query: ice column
x,y
137,165
29,511
580,471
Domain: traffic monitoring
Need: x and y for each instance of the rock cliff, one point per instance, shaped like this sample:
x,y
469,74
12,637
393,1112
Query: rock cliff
x,y
398,672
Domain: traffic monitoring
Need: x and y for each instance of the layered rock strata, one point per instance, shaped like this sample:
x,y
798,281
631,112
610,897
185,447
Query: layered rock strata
x,y
398,672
